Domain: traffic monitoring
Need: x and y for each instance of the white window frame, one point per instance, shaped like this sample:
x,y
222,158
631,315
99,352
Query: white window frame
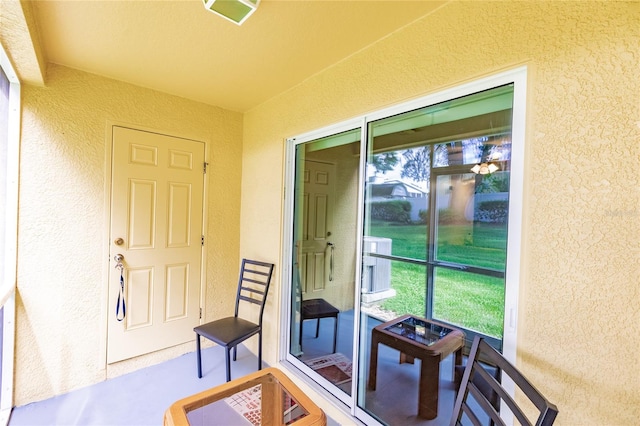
x,y
7,290
518,77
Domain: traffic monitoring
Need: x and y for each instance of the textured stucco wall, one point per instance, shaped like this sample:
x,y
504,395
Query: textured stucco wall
x,y
579,320
62,230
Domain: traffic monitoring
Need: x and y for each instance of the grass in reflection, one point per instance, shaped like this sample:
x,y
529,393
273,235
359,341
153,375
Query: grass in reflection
x,y
470,300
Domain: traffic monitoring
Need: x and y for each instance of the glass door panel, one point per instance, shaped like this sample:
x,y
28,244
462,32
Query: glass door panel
x,y
324,258
434,240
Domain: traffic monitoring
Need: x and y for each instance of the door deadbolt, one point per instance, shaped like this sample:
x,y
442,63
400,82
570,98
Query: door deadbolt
x,y
118,241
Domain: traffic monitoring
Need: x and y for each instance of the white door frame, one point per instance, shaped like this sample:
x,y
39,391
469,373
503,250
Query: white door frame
x,y
108,149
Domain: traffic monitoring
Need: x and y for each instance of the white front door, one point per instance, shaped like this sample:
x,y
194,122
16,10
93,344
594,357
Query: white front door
x,y
316,263
156,224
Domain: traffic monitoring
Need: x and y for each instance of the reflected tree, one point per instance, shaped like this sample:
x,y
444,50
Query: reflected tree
x,y
385,162
416,164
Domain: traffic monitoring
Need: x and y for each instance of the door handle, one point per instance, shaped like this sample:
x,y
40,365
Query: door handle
x,y
331,246
118,258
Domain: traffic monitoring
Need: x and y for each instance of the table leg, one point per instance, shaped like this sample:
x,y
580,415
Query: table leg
x,y
373,363
428,393
404,358
301,322
198,356
457,360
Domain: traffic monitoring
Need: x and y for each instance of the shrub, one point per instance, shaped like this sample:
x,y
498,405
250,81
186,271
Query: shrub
x,y
391,211
450,216
495,211
424,216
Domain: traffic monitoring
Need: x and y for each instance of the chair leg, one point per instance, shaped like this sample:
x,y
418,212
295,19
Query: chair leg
x,y
198,356
227,350
235,352
335,334
260,350
318,328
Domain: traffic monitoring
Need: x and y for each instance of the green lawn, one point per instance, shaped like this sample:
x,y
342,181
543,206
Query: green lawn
x,y
470,300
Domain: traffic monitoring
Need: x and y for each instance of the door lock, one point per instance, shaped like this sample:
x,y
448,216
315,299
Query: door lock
x,y
118,258
118,241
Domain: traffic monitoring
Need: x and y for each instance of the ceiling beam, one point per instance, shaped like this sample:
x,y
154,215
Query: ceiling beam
x,y
20,39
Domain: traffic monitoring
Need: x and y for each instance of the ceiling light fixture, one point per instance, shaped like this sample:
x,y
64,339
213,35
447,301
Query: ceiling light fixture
x,y
484,168
236,11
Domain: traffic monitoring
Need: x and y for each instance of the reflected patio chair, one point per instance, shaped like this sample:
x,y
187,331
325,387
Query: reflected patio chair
x,y
473,405
253,286
317,309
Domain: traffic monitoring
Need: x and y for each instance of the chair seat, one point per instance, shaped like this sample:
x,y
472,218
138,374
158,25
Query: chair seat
x,y
226,330
318,308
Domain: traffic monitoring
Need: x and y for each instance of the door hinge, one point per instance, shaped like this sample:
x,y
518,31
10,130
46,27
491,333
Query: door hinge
x,y
200,313
204,170
202,240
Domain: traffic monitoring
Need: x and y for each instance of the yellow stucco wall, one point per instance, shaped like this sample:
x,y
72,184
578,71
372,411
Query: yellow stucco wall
x,y
62,230
579,322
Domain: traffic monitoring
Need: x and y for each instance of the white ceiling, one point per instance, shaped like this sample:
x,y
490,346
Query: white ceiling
x,y
179,47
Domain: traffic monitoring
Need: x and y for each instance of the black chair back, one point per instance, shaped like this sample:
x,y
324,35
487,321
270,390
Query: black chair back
x,y
253,284
475,404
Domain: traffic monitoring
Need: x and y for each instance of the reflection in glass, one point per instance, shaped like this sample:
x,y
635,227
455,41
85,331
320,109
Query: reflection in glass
x,y
324,232
459,296
419,330
434,242
471,218
401,292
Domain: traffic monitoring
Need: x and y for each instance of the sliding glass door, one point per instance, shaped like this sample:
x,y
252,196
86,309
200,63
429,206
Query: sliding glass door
x,y
323,259
434,221
404,213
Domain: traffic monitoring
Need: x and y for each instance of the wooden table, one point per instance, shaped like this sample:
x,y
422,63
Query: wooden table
x,y
268,397
427,340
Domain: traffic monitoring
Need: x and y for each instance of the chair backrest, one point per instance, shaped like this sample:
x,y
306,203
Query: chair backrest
x,y
474,403
253,284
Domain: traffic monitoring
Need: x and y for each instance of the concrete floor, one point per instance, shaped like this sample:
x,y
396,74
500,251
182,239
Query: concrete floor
x,y
141,398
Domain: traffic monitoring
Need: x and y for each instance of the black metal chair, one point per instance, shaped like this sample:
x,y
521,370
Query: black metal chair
x,y
253,286
481,384
316,309
476,403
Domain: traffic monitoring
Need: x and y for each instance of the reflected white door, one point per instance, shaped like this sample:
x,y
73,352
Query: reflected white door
x,y
315,262
156,224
